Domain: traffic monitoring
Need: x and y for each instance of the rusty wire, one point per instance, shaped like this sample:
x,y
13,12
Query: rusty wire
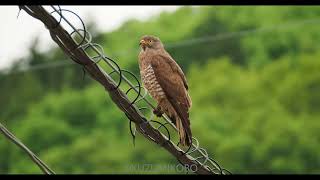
x,y
78,51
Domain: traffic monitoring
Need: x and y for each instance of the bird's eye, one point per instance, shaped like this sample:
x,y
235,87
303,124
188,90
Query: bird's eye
x,y
150,41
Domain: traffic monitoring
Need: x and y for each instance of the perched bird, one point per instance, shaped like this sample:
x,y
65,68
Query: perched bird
x,y
167,84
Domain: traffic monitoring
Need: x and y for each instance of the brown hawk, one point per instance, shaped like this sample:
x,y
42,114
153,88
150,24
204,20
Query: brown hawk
x,y
167,84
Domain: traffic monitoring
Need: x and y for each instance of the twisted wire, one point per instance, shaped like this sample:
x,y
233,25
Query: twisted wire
x,y
203,159
43,167
197,154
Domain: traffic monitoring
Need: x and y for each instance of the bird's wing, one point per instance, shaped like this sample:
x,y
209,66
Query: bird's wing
x,y
175,67
173,87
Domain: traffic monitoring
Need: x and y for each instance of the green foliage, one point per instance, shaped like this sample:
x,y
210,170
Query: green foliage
x,y
255,96
259,121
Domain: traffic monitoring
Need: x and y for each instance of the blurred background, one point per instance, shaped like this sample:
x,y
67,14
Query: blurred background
x,y
253,72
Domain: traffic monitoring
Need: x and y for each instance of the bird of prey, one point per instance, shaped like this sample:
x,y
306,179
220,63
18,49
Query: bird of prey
x,y
167,84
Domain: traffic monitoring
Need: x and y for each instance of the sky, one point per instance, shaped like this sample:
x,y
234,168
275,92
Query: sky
x,y
16,34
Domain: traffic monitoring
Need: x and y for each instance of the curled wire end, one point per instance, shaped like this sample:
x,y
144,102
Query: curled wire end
x,y
134,141
84,72
190,147
162,125
119,70
216,166
132,132
19,11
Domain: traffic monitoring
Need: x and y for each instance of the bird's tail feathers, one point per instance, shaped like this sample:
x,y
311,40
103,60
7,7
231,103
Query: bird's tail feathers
x,y
180,118
184,133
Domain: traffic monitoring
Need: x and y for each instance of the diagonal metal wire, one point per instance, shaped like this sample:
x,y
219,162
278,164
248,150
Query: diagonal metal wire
x,y
78,46
44,168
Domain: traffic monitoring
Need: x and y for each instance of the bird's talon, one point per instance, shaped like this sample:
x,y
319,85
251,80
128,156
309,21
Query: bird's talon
x,y
157,112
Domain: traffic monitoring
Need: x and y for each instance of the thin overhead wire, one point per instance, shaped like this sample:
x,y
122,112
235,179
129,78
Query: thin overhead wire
x,y
187,42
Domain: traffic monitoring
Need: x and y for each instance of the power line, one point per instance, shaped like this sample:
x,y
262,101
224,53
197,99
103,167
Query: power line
x,y
44,168
188,42
224,36
38,67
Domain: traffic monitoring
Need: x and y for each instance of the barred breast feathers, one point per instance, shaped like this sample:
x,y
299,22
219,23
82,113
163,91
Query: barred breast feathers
x,y
150,82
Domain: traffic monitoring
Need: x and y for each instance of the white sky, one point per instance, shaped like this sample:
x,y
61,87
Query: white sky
x,y
16,35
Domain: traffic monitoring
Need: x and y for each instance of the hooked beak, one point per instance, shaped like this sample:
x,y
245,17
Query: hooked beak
x,y
142,42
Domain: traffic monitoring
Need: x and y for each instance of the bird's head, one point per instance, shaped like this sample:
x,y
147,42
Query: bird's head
x,y
151,42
